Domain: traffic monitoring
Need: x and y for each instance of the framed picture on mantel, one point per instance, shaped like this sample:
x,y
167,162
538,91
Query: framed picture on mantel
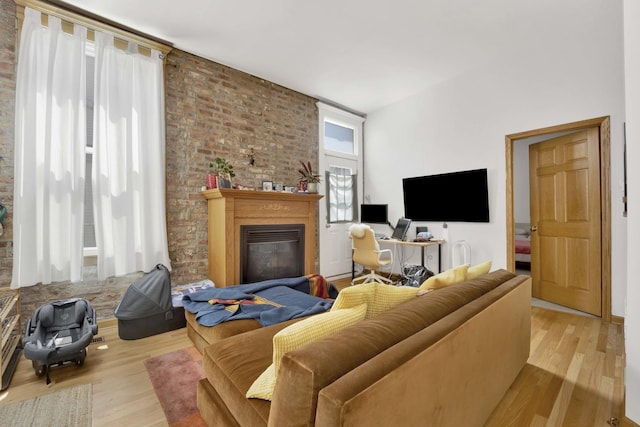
x,y
267,185
224,180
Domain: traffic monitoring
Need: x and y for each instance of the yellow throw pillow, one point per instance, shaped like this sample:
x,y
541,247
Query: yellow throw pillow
x,y
299,334
262,387
446,278
378,297
478,270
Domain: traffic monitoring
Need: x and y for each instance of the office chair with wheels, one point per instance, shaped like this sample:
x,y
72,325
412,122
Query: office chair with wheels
x,y
367,253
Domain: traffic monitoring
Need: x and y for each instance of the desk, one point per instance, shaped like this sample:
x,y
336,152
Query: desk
x,y
422,246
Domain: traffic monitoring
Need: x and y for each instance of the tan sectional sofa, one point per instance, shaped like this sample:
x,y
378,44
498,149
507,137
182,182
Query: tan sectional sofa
x,y
445,358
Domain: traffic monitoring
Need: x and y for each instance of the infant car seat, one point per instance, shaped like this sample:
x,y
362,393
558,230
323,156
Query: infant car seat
x,y
59,332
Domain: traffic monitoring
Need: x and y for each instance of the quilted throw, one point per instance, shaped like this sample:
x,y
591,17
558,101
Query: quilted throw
x,y
318,286
268,302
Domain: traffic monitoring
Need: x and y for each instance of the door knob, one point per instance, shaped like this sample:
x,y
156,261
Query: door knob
x,y
533,228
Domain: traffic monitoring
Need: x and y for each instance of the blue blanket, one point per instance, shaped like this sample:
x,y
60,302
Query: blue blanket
x,y
292,294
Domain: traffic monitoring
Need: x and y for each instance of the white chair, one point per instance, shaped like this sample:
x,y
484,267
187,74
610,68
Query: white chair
x,y
367,253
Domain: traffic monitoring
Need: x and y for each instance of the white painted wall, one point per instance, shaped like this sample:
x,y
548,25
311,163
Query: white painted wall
x,y
567,72
632,312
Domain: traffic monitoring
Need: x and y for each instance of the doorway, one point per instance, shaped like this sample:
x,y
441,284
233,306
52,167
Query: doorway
x,y
340,154
602,126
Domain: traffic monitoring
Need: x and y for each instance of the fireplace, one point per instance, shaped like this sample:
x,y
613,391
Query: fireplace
x,y
271,251
231,211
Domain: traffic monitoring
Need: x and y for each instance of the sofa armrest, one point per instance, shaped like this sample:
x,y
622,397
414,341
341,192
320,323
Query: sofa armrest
x,y
448,378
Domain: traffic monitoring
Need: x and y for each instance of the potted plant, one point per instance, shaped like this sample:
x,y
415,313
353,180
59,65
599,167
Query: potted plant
x,y
220,173
309,179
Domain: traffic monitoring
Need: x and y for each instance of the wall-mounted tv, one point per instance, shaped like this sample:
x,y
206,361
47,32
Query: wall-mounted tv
x,y
449,197
374,214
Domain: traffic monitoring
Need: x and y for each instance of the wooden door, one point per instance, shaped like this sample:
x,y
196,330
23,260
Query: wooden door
x,y
566,220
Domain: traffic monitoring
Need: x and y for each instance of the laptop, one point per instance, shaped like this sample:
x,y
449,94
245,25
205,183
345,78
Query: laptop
x,y
402,227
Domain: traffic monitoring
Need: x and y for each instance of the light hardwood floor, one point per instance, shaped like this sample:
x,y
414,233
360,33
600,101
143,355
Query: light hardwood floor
x,y
574,376
122,392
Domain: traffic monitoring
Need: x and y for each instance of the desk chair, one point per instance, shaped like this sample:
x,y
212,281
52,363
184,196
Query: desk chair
x,y
367,253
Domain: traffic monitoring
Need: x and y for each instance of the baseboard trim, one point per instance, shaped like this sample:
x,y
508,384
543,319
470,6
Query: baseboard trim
x,y
106,323
618,320
626,422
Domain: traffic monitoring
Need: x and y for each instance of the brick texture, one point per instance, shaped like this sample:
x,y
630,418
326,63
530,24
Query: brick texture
x,y
211,110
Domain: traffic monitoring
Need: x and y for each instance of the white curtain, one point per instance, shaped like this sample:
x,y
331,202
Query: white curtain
x,y
341,193
129,160
50,138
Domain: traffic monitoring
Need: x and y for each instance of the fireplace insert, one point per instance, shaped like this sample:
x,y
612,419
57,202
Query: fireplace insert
x,y
271,251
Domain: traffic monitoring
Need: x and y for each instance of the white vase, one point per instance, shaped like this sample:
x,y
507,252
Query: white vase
x,y
312,187
460,254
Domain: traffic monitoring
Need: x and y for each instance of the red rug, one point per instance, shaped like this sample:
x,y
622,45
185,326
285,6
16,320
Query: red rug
x,y
174,377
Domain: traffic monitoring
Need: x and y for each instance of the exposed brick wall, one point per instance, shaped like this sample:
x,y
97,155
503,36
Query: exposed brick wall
x,y
212,110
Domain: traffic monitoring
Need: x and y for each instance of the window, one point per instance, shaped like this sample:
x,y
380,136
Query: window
x,y
339,138
89,222
341,194
99,154
341,144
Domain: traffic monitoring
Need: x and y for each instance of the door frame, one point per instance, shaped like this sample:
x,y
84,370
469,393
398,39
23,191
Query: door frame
x,y
603,123
348,119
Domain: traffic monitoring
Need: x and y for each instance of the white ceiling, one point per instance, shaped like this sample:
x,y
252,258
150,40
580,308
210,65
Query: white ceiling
x,y
362,54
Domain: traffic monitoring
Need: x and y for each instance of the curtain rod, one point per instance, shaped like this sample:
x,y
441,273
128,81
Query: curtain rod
x,y
93,22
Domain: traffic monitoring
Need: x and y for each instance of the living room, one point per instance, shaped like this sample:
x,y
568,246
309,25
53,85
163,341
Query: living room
x,y
562,72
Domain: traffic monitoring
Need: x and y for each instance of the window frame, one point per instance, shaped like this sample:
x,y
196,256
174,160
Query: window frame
x,y
340,117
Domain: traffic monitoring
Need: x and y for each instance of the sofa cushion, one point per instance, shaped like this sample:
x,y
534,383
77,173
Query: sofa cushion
x,y
446,278
478,270
202,336
378,297
232,364
299,334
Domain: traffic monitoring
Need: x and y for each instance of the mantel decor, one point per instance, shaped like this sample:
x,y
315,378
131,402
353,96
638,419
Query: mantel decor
x,y
220,173
309,179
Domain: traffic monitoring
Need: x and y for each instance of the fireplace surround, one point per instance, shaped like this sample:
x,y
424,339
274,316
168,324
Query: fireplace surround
x,y
229,210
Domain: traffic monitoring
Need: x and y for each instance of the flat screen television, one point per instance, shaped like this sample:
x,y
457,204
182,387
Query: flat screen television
x,y
449,197
374,214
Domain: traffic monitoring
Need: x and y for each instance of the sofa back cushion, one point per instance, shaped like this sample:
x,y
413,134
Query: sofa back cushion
x,y
305,371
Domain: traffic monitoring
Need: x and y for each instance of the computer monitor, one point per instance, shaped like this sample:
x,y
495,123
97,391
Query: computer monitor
x,y
374,214
402,227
